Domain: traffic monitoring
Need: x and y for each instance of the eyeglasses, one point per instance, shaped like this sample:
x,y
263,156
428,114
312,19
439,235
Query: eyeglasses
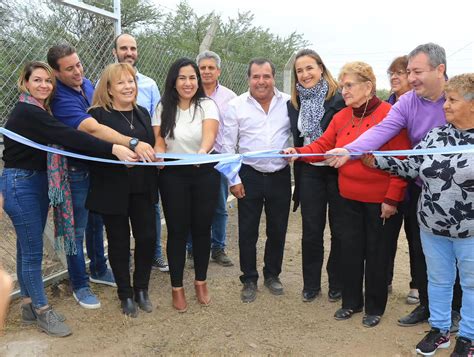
x,y
348,86
398,73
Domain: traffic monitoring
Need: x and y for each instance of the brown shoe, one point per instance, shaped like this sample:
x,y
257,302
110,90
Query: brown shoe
x,y
179,300
202,293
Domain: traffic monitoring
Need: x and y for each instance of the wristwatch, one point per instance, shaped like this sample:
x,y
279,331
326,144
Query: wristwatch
x,y
132,144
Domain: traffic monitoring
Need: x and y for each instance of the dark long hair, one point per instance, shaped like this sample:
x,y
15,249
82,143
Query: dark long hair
x,y
170,98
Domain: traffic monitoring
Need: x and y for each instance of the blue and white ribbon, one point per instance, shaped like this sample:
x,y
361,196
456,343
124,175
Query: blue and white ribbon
x,y
230,164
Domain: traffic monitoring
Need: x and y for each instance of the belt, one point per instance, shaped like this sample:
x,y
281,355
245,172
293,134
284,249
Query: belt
x,y
266,173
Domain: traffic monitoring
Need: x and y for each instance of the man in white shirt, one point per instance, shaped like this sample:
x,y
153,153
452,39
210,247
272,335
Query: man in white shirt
x,y
258,120
126,51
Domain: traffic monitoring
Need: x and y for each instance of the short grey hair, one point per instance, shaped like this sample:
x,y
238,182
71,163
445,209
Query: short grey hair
x,y
209,55
436,54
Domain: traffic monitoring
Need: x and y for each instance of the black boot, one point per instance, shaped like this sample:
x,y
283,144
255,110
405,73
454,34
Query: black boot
x,y
143,301
129,307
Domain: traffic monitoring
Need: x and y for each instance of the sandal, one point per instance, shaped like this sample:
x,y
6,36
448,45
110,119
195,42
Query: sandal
x,y
371,320
344,314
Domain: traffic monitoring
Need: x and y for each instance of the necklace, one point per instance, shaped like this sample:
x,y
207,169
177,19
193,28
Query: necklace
x,y
128,121
361,118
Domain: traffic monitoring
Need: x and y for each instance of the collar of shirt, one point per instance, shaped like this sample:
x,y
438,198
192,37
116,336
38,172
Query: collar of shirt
x,y
277,96
442,98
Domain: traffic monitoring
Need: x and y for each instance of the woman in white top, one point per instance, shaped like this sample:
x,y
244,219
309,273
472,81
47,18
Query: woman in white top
x,y
186,122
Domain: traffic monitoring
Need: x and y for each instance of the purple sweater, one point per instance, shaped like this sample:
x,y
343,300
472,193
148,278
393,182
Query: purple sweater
x,y
416,114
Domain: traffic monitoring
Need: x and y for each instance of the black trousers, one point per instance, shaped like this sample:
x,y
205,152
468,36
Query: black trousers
x,y
414,241
141,214
402,208
272,190
189,196
365,251
318,188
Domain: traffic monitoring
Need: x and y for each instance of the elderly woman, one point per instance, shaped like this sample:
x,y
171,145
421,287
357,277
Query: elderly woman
x,y
370,197
314,101
399,85
446,216
25,186
124,195
186,122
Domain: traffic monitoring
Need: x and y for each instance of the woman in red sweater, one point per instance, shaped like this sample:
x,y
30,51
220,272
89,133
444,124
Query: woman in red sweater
x,y
370,196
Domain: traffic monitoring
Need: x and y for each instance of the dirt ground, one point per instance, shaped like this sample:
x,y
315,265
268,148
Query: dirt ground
x,y
272,325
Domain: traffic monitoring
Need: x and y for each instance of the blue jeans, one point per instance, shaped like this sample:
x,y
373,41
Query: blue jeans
x,y
26,202
219,223
158,250
95,245
441,254
76,264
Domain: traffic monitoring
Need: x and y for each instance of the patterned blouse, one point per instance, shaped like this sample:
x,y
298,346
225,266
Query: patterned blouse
x,y
446,202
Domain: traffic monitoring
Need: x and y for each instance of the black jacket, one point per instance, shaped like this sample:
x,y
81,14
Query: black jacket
x,y
331,107
110,185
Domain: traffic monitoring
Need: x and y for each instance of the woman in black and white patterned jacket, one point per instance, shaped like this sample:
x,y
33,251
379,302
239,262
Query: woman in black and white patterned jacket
x,y
446,215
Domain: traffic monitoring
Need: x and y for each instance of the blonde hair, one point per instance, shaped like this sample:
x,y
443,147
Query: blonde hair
x,y
326,75
26,74
361,70
111,74
462,84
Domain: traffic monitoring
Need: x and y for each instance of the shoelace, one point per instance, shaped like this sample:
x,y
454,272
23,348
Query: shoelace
x,y
51,317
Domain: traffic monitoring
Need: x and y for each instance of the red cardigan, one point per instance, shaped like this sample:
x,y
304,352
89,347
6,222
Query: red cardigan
x,y
357,181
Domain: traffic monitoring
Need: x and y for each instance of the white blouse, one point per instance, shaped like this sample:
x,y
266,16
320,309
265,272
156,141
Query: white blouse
x,y
188,130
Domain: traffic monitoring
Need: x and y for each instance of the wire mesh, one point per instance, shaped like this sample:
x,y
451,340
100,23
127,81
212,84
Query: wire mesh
x,y
23,39
93,36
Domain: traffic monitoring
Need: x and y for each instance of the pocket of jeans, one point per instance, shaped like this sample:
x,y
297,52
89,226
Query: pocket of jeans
x,y
23,174
78,176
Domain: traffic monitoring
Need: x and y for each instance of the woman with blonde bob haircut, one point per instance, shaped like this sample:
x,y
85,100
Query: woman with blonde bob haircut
x,y
314,102
370,197
24,186
122,194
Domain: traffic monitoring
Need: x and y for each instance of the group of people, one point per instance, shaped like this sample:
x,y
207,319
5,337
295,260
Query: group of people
x,y
367,198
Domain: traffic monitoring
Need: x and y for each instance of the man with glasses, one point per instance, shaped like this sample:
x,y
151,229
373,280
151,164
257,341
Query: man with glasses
x,y
419,111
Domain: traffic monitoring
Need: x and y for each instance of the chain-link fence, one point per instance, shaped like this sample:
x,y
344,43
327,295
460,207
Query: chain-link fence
x,y
92,35
41,24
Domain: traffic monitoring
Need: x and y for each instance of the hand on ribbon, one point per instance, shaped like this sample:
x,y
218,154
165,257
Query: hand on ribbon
x,y
337,161
145,152
290,151
123,153
368,160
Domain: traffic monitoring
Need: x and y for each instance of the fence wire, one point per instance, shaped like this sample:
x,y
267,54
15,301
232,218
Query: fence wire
x,y
28,33
24,40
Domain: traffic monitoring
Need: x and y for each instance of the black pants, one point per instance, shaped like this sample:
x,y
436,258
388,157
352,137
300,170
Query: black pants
x,y
142,216
189,197
402,208
365,248
318,188
414,241
274,191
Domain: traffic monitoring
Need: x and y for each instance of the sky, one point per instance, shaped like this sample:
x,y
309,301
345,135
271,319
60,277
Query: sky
x,y
360,30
